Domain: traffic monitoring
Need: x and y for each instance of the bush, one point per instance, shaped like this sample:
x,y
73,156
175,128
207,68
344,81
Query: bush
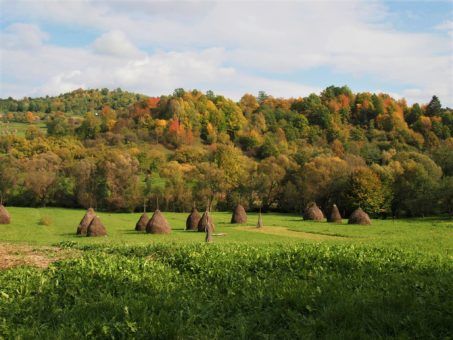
x,y
45,220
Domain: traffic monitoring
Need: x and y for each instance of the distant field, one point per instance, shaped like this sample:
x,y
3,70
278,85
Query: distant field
x,y
428,235
20,128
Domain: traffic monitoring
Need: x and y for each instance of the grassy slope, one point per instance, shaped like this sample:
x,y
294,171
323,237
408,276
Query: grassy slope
x,y
20,128
423,235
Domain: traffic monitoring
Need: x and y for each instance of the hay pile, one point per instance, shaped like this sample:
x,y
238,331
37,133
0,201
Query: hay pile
x,y
260,221
85,222
5,217
205,222
142,222
313,213
359,217
96,228
239,215
335,215
158,224
193,219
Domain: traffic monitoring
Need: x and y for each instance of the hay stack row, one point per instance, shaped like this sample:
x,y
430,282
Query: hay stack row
x,y
313,213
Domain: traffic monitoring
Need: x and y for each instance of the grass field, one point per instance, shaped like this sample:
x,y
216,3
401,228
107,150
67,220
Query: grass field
x,y
428,235
20,128
293,279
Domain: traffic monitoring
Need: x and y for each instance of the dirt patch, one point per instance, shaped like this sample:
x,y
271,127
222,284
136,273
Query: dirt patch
x,y
14,255
283,231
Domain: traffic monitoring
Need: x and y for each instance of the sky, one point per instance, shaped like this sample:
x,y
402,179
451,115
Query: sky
x,y
285,48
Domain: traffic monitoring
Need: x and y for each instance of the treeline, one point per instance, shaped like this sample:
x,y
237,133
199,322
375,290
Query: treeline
x,y
362,149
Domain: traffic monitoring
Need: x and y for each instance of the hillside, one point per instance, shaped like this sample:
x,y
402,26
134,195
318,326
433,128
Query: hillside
x,y
118,150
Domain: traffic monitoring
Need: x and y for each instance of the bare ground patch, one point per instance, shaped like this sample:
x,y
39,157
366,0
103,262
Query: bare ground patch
x,y
14,255
283,231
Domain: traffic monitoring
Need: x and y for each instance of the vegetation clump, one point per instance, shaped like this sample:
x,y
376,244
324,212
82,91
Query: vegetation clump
x,y
142,222
158,224
85,222
193,219
334,216
45,220
5,217
96,228
239,215
313,213
359,217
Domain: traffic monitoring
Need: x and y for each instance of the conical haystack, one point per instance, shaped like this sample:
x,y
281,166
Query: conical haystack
x,y
96,228
313,213
85,222
260,221
335,215
5,217
193,219
239,215
158,224
205,222
142,222
359,217
209,232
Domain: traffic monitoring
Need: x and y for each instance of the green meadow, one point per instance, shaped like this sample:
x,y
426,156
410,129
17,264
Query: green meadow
x,y
427,235
291,279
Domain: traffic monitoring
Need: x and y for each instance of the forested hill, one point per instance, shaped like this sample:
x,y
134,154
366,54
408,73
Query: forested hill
x,y
116,150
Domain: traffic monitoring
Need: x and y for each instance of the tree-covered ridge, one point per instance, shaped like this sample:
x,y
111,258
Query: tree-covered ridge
x,y
352,149
77,102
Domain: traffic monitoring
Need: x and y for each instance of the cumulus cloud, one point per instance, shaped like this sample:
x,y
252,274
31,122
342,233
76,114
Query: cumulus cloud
x,y
20,35
115,43
231,47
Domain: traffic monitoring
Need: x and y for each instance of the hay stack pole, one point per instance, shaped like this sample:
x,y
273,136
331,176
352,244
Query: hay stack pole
x,y
260,220
209,229
193,219
206,220
5,217
313,213
239,215
85,222
158,224
359,217
335,216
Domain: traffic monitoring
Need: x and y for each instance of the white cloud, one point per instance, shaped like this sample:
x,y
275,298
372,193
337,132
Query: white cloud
x,y
20,35
229,46
115,43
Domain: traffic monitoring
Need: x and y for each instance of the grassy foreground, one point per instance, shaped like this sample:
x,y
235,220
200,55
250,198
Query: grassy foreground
x,y
292,280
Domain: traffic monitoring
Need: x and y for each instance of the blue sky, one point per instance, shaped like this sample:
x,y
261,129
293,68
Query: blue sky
x,y
289,49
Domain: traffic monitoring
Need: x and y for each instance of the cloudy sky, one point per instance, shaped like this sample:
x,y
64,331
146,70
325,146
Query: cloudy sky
x,y
292,48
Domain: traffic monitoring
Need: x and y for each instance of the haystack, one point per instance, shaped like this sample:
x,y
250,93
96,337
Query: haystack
x,y
313,213
359,217
158,224
205,222
260,221
209,231
5,217
142,222
85,222
239,215
96,228
193,219
335,215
